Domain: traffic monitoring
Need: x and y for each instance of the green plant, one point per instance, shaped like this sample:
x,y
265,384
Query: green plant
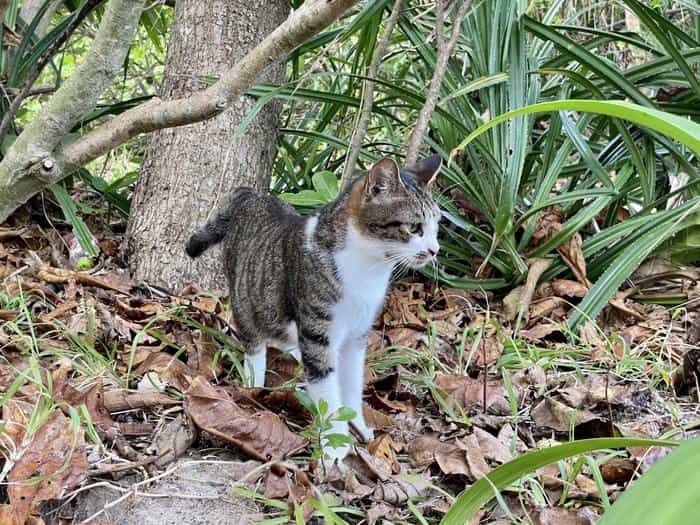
x,y
591,157
486,488
320,433
676,477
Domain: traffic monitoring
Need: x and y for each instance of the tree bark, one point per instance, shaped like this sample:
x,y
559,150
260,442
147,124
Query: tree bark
x,y
188,171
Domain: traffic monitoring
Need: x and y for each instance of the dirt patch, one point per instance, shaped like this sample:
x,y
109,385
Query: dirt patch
x,y
195,492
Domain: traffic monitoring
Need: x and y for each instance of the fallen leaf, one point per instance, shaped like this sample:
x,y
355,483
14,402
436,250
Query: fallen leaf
x,y
478,468
376,419
380,512
491,447
262,435
385,449
173,440
169,369
407,337
452,460
56,454
469,394
399,489
556,415
561,516
568,288
618,470
520,298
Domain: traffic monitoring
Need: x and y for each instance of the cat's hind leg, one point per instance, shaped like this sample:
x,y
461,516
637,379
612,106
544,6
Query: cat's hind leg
x,y
256,364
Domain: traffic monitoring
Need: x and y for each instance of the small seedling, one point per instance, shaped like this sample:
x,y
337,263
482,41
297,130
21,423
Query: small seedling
x,y
320,433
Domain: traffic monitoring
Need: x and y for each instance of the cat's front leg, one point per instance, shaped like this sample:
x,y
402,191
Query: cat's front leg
x,y
321,366
352,381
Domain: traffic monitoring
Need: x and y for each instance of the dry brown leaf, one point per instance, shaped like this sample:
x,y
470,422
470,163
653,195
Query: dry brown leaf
x,y
561,516
520,298
173,440
554,307
491,447
469,393
568,288
398,490
406,337
618,470
478,468
539,331
385,449
379,513
554,414
452,460
262,435
169,369
56,454
376,419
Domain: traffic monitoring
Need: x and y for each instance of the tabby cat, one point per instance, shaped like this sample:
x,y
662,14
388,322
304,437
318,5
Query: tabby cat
x,y
316,283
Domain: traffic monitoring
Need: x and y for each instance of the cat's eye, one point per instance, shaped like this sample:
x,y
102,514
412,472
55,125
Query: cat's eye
x,y
416,228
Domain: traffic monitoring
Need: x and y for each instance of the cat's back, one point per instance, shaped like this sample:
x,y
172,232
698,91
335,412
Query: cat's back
x,y
262,229
250,203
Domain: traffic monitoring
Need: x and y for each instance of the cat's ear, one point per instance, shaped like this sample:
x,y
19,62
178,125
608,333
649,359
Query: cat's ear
x,y
383,177
425,170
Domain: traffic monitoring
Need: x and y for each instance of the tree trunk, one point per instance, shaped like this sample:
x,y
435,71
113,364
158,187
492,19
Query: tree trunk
x,y
188,171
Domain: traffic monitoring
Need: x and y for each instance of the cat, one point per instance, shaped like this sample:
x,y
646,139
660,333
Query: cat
x,y
316,283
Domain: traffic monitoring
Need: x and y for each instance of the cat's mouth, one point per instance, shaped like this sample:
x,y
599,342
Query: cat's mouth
x,y
420,260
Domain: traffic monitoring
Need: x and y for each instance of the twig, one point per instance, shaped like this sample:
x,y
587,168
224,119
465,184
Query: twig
x,y
365,112
444,50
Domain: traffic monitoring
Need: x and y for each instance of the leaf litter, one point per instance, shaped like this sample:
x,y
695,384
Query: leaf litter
x,y
149,375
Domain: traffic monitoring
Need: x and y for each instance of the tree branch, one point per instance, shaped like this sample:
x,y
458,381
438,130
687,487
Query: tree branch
x,y
77,18
365,111
301,25
444,50
34,162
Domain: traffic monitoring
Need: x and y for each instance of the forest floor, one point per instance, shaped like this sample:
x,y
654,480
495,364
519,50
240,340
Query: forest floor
x,y
123,403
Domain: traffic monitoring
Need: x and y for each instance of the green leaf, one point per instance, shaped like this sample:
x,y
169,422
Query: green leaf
x,y
660,227
472,499
80,229
345,414
304,199
684,131
676,477
337,440
326,184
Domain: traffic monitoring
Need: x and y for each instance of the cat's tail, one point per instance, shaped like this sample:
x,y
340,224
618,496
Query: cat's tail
x,y
213,232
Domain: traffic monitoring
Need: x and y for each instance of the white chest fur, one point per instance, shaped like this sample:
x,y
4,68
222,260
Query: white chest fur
x,y
364,276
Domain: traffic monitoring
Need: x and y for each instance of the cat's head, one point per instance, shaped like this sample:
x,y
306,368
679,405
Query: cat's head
x,y
395,214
